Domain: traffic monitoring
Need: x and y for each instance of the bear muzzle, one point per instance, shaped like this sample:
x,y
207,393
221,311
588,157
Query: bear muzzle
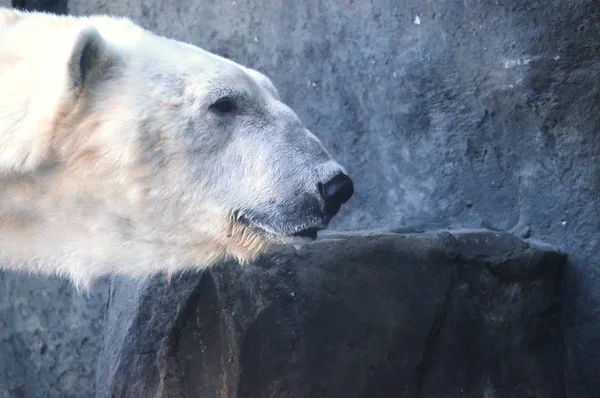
x,y
310,212
335,193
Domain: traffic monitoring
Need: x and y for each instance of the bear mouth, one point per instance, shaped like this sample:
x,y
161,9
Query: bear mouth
x,y
310,233
301,235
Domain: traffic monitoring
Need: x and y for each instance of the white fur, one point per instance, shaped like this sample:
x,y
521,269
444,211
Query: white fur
x,y
75,197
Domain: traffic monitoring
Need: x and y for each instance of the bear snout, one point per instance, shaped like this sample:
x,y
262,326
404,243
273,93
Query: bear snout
x,y
335,192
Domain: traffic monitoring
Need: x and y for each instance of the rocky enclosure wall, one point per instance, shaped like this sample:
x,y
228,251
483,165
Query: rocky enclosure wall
x,y
447,114
462,314
468,314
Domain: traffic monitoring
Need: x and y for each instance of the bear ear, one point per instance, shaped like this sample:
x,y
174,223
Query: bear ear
x,y
90,57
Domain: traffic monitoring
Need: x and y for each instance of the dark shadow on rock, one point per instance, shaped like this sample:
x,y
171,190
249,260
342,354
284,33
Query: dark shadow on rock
x,y
54,6
440,314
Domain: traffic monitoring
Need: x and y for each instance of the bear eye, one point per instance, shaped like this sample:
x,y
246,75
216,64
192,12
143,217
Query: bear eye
x,y
224,105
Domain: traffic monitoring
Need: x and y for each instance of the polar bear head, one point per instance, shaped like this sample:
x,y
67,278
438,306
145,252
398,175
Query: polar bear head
x,y
141,148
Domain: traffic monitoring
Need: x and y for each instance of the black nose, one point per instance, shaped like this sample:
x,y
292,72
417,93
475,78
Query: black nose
x,y
336,192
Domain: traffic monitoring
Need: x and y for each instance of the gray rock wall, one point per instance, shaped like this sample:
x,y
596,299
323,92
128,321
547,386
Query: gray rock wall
x,y
50,337
469,314
56,6
481,114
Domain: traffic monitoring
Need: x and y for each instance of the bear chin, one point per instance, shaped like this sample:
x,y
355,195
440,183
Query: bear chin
x,y
293,234
247,240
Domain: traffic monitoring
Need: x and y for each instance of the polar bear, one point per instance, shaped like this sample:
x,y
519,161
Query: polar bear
x,y
126,153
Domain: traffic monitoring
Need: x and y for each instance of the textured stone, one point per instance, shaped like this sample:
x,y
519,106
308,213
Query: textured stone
x,y
483,114
55,6
384,315
50,337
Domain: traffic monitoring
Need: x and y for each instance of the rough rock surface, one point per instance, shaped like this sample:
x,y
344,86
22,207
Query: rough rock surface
x,y
465,113
50,337
470,314
476,114
55,6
